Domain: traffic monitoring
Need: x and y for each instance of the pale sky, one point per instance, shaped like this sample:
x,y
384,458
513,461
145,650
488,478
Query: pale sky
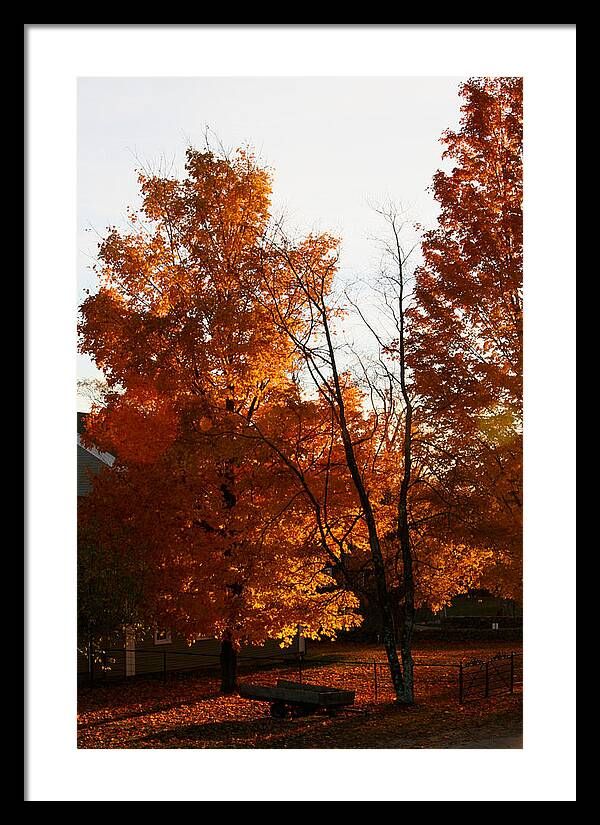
x,y
335,145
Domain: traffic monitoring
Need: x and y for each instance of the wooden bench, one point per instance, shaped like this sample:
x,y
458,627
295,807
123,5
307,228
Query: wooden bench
x,y
298,698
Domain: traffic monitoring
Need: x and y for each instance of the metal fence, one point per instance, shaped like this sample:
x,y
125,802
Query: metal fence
x,y
481,679
464,681
110,664
371,680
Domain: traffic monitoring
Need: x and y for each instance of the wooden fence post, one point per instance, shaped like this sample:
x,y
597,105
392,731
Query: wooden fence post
x,y
375,677
512,672
460,684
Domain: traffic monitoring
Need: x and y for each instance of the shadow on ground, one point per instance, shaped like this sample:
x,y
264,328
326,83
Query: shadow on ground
x,y
383,727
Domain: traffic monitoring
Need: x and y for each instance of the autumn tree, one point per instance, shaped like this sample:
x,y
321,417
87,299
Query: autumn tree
x,y
353,440
466,326
431,452
366,479
181,329
259,451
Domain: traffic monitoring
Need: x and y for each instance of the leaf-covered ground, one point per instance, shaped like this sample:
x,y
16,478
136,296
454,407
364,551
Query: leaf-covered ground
x,y
187,712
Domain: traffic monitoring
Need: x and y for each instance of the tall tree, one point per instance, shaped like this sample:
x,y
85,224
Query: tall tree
x,y
466,323
358,441
366,479
181,330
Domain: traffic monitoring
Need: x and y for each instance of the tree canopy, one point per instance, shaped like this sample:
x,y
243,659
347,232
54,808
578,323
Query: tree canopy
x,y
181,329
262,481
466,330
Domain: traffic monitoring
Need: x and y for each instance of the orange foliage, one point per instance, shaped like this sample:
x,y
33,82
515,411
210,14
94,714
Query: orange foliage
x,y
232,488
466,327
182,328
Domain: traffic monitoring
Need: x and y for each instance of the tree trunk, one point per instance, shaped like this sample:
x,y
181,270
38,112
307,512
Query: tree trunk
x,y
383,595
403,527
228,657
391,651
409,600
408,696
